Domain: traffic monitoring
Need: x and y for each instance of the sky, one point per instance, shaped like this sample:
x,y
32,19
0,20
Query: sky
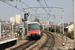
x,y
7,11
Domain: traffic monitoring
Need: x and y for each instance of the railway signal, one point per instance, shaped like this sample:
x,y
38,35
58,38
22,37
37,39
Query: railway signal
x,y
24,19
25,16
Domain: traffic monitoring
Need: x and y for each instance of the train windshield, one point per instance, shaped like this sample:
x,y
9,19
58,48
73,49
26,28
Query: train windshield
x,y
33,27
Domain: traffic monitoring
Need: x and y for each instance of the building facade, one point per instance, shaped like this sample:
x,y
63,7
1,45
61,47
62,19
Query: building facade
x,y
70,28
12,19
18,19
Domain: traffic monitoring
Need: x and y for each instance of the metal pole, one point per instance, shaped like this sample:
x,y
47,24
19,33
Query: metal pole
x,y
30,18
0,30
12,30
63,26
23,33
22,30
60,28
55,24
43,26
74,16
48,27
3,32
68,24
63,20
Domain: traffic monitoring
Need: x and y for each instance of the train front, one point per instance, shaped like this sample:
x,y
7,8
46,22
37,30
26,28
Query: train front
x,y
33,30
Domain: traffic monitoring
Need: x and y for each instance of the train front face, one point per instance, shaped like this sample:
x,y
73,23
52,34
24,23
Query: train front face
x,y
33,30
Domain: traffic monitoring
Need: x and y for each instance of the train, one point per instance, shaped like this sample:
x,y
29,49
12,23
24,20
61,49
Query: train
x,y
33,29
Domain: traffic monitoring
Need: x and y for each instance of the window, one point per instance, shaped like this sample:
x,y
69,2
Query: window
x,y
33,27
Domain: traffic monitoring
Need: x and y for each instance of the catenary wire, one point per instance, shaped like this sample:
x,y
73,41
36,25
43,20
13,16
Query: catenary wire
x,y
27,5
47,6
21,5
43,8
12,6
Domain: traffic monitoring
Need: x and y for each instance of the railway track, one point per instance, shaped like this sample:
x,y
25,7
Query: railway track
x,y
24,46
49,43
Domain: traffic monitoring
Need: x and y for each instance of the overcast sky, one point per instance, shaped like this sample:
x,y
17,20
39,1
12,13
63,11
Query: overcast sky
x,y
7,11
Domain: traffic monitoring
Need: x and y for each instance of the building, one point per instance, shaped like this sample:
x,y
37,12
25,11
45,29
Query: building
x,y
70,28
45,23
12,19
18,19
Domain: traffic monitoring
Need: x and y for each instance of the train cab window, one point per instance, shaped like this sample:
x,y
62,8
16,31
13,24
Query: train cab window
x,y
33,27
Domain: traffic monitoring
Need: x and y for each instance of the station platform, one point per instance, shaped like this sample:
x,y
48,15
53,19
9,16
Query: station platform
x,y
6,43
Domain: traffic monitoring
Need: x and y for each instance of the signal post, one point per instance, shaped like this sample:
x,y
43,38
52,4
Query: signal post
x,y
23,20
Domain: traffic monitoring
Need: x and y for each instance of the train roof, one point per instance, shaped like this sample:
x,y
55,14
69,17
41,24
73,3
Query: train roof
x,y
32,22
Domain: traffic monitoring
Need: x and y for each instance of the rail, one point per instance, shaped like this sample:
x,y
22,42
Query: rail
x,y
24,46
53,41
